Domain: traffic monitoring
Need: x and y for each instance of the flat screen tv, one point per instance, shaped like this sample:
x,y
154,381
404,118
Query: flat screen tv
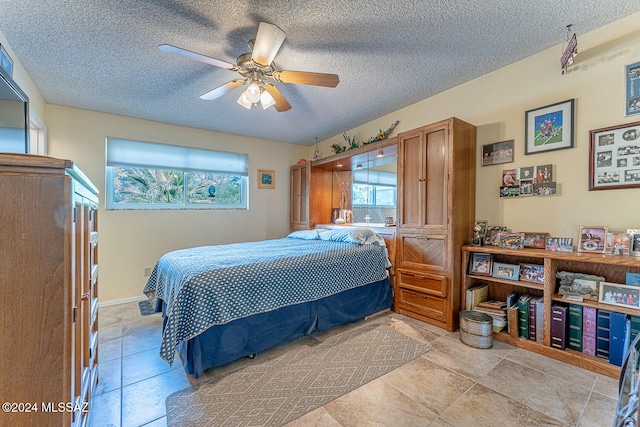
x,y
14,116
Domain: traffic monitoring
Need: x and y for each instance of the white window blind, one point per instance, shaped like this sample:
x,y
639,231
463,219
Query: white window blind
x,y
373,177
126,153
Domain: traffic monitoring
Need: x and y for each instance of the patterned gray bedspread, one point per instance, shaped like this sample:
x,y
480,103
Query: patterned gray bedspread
x,y
214,285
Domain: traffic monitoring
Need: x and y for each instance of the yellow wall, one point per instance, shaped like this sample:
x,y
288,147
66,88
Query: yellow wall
x,y
133,240
496,104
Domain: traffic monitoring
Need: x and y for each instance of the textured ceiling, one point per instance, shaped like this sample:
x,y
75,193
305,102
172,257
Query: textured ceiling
x,y
103,55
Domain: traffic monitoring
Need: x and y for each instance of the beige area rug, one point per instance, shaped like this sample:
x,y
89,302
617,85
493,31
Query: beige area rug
x,y
282,389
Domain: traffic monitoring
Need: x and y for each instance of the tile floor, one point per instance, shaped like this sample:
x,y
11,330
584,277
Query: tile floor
x,y
451,385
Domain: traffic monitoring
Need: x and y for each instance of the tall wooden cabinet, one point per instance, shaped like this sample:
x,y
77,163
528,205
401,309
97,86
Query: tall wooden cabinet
x,y
310,202
49,291
436,211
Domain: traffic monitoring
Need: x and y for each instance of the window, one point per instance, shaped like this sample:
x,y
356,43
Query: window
x,y
145,175
374,188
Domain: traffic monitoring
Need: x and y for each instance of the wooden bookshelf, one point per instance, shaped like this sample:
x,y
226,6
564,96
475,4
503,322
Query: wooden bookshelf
x,y
612,268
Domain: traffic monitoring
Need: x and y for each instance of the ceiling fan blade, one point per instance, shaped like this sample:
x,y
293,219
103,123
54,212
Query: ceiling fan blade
x,y
222,90
268,41
281,103
195,56
305,78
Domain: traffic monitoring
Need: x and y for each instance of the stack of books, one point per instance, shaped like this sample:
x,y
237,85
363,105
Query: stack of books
x,y
497,310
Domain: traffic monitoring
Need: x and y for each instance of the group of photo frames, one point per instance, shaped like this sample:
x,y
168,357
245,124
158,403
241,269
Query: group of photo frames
x,y
482,264
528,181
591,239
621,294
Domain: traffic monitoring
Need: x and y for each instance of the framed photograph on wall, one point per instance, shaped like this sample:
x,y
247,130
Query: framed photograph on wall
x,y
5,61
614,157
497,153
266,179
632,97
549,128
592,239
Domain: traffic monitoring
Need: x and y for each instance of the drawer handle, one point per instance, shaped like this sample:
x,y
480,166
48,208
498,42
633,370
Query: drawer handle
x,y
418,295
423,238
420,277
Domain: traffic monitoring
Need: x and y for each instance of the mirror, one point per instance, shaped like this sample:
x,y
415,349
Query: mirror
x,y
373,194
14,117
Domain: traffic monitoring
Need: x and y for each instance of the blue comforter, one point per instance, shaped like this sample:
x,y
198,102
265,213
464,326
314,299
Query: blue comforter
x,y
213,285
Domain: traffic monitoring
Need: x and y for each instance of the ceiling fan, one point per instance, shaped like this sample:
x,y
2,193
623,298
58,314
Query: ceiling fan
x,y
257,69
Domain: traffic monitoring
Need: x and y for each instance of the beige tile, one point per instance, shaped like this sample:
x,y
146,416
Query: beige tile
x,y
419,323
319,417
468,361
419,378
419,334
561,399
607,386
440,422
378,404
109,376
109,350
147,339
145,364
109,332
600,411
481,406
144,401
556,368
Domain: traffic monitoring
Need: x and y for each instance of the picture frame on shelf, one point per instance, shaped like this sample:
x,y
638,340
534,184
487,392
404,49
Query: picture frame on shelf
x,y
266,179
632,279
592,239
535,240
632,98
479,232
634,241
493,235
532,273
614,157
559,244
480,264
497,153
501,270
617,243
620,295
512,240
549,128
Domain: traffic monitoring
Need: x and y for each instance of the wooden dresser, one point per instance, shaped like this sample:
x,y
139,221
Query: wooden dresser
x,y
49,291
436,211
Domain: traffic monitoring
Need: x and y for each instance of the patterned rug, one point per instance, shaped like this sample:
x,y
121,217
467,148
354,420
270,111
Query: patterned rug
x,y
282,389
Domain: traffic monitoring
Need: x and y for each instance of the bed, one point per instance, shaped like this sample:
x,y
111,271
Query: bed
x,y
221,303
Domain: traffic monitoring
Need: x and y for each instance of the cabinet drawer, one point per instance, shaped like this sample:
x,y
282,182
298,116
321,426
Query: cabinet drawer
x,y
432,284
421,303
422,252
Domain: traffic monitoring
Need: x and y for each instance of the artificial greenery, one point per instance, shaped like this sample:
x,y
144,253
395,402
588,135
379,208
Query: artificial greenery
x,y
352,141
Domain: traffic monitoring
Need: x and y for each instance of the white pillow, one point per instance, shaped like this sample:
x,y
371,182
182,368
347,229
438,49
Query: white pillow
x,y
304,235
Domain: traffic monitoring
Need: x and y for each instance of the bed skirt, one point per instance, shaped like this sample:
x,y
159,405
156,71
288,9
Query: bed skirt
x,y
222,344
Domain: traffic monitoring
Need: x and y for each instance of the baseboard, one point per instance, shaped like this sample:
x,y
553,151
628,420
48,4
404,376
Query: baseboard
x,y
121,301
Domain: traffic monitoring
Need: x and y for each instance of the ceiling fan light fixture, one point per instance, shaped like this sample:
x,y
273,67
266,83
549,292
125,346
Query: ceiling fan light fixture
x,y
244,101
266,100
253,92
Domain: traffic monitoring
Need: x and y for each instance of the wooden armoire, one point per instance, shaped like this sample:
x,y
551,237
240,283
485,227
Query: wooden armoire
x,y
436,213
49,291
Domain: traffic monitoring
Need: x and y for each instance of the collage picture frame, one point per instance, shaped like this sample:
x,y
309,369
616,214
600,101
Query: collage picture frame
x,y
614,157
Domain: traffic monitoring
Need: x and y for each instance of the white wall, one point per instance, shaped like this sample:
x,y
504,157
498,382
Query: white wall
x,y
133,240
496,104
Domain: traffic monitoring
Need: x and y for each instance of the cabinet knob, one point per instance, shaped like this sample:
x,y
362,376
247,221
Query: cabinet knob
x,y
85,297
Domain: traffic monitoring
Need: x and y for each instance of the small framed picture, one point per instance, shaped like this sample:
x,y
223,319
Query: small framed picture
x,y
505,271
617,294
512,240
633,89
497,153
544,173
617,243
510,177
479,232
526,173
335,215
532,273
535,240
634,241
493,235
526,187
549,128
480,264
592,239
633,279
559,244
266,179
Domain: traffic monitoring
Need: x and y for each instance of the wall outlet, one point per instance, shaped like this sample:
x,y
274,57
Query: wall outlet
x,y
147,271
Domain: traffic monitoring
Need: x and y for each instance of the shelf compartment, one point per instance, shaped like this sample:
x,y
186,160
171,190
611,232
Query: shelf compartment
x,y
520,283
598,305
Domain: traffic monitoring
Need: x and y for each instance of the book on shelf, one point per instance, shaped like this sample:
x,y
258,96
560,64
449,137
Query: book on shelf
x,y
619,331
602,334
540,320
589,320
511,299
523,316
635,326
575,327
559,326
533,319
475,295
499,315
493,305
512,319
